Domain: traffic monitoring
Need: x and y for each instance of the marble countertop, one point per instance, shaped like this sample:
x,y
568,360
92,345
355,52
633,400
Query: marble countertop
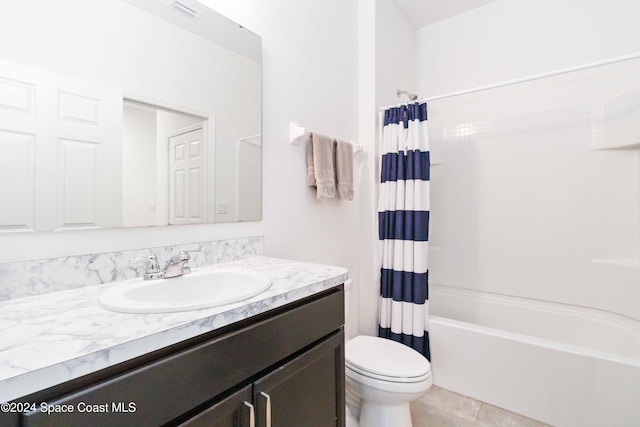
x,y
52,338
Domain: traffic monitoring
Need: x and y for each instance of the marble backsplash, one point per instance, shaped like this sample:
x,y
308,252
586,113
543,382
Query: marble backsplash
x,y
28,278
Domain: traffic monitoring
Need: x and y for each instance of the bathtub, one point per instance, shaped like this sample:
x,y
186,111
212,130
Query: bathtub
x,y
560,364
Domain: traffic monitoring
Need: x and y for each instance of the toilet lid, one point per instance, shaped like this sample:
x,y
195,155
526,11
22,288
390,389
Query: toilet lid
x,y
385,358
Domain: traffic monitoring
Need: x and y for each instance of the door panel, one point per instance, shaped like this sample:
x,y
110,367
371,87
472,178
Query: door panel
x,y
21,135
78,182
17,175
88,128
50,126
186,178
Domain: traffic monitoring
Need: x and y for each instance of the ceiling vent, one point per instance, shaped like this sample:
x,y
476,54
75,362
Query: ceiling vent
x,y
185,8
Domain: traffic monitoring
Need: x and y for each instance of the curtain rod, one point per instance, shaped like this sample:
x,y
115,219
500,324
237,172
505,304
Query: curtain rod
x,y
525,79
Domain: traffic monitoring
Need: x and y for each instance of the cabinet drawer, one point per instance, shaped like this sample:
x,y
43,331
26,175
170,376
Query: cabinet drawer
x,y
161,391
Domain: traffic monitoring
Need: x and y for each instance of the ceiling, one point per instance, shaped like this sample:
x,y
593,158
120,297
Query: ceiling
x,y
425,12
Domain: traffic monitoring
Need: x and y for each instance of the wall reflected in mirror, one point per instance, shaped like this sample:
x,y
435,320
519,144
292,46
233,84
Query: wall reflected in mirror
x,y
122,113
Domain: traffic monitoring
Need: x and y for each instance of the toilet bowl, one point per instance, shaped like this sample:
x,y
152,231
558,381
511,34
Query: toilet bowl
x,y
382,377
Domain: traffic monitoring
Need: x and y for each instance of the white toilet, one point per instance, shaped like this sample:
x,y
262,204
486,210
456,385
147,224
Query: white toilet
x,y
382,377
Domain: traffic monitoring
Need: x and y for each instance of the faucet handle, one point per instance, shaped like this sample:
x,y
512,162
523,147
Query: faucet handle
x,y
177,265
151,261
182,256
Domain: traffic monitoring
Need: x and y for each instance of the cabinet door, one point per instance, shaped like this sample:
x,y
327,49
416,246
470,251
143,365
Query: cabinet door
x,y
307,391
234,411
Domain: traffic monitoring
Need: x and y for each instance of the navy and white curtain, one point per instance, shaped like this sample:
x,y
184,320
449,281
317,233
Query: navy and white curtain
x,y
403,227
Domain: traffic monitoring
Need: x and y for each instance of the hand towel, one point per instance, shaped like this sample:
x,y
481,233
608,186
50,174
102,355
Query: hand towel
x,y
321,165
311,176
344,169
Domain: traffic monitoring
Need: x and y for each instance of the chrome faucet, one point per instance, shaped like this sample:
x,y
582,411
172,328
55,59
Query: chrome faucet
x,y
175,266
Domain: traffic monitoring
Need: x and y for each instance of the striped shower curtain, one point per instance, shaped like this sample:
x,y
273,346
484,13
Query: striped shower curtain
x,y
403,224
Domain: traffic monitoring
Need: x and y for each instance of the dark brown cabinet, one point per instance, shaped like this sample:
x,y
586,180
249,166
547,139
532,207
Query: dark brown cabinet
x,y
281,368
303,392
233,411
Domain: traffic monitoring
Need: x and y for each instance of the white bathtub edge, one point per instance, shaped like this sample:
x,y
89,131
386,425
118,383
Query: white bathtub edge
x,y
540,342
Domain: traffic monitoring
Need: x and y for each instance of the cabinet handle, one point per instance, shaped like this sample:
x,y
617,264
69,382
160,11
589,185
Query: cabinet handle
x,y
268,409
252,414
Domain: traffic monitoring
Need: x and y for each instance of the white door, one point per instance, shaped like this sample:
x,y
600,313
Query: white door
x,y
186,178
60,151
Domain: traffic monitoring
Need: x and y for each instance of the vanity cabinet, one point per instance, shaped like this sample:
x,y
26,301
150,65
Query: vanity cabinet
x,y
281,368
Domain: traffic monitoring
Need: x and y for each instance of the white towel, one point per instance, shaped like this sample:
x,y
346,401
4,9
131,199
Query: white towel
x,y
344,169
321,171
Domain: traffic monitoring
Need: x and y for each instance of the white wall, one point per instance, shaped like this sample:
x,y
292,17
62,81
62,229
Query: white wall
x,y
521,204
248,195
395,54
138,166
386,51
507,39
364,294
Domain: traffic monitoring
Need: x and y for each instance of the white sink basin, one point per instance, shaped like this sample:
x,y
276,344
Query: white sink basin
x,y
200,289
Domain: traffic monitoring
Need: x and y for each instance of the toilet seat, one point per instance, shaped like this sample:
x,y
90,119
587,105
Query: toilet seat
x,y
388,378
397,388
386,360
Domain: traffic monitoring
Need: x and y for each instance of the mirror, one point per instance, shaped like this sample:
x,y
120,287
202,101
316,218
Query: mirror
x,y
119,113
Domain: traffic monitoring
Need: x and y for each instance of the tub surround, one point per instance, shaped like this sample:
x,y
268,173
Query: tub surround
x,y
55,337
29,278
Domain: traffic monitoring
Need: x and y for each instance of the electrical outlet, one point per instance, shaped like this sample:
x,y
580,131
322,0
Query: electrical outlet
x,y
222,208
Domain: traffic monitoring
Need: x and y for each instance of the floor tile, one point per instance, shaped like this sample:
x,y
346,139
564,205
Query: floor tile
x,y
443,408
425,415
492,416
461,406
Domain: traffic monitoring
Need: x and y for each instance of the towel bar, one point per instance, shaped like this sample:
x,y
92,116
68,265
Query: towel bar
x,y
296,131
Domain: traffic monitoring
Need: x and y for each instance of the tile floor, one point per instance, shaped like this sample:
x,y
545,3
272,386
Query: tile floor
x,y
444,408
